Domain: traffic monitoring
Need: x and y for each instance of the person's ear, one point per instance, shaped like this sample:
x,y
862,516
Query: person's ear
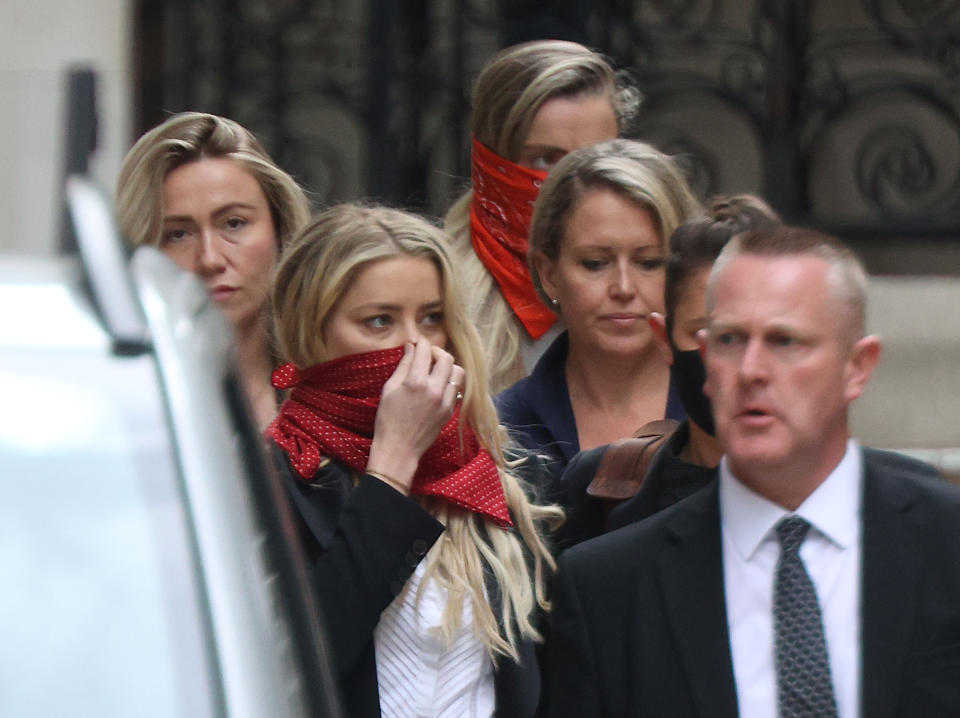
x,y
658,325
702,344
863,359
546,271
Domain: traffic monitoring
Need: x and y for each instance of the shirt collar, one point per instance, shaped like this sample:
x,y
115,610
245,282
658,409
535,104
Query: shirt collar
x,y
833,509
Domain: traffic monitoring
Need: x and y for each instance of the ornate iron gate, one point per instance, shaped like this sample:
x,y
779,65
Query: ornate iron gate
x,y
844,113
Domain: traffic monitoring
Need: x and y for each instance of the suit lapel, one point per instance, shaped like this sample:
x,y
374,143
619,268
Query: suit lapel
x,y
891,565
548,395
691,573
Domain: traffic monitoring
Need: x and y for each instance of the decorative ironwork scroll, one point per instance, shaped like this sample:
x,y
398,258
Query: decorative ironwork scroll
x,y
363,99
841,114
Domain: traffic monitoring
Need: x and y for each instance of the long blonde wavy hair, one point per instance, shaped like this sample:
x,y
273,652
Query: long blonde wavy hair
x,y
507,94
315,271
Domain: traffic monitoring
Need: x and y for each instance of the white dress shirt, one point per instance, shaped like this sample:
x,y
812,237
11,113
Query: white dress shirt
x,y
832,556
419,675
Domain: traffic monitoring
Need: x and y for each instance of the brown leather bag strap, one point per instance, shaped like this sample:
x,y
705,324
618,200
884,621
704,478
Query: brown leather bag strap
x,y
625,462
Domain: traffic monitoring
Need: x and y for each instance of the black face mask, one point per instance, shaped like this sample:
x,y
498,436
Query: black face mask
x,y
689,375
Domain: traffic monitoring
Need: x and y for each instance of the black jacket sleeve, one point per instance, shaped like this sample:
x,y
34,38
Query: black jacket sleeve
x,y
585,513
571,666
363,542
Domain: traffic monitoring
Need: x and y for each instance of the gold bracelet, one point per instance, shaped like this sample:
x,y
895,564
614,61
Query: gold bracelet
x,y
390,481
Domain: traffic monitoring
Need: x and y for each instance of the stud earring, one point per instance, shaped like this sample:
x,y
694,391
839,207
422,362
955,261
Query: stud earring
x,y
555,302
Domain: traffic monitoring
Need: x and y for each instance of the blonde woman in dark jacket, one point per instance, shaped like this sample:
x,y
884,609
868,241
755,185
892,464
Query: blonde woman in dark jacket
x,y
430,558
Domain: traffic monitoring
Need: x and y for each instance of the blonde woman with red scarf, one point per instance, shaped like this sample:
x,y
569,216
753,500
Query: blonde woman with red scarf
x,y
429,554
532,104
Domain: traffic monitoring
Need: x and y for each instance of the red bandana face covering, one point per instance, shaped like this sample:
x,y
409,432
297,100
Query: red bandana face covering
x,y
331,412
503,198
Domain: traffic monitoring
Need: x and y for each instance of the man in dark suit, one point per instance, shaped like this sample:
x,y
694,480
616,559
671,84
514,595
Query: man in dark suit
x,y
815,578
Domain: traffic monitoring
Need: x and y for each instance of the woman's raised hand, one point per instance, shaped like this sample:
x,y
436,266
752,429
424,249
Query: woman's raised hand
x,y
416,403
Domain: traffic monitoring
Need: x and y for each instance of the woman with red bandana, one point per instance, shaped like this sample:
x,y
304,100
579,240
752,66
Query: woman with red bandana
x,y
532,104
430,561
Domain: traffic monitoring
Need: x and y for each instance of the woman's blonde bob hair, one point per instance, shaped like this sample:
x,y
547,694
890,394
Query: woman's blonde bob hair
x,y
316,270
188,137
507,94
634,170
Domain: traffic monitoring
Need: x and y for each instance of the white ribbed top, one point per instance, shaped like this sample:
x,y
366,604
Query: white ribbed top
x,y
418,674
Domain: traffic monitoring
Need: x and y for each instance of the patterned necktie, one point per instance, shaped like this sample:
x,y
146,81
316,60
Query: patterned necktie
x,y
804,689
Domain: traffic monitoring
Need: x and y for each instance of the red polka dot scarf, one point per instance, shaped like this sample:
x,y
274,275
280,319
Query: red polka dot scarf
x,y
331,411
503,197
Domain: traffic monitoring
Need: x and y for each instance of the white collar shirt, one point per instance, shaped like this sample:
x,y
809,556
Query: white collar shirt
x,y
832,556
421,675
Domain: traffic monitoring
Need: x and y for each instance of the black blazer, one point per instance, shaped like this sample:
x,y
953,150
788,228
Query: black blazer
x,y
365,542
538,413
639,625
